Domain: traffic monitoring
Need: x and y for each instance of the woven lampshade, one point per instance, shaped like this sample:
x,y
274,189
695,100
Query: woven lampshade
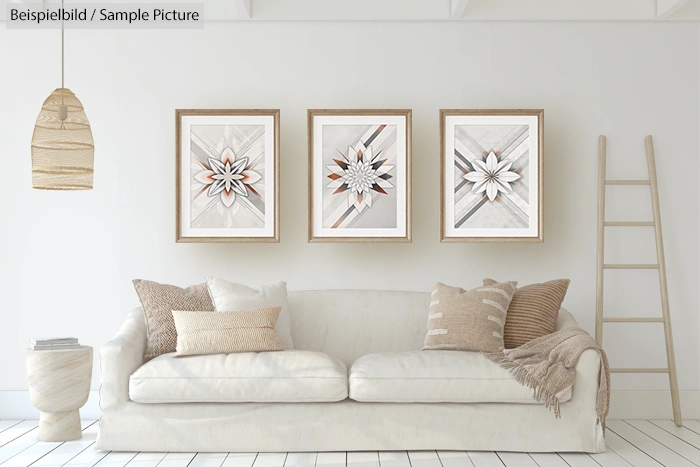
x,y
62,150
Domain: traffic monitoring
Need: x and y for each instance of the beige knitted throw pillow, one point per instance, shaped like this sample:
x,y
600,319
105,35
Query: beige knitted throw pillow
x,y
468,320
159,300
201,333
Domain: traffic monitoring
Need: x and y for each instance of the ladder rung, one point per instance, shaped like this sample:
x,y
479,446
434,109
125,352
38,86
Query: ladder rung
x,y
633,320
629,224
638,370
627,182
630,266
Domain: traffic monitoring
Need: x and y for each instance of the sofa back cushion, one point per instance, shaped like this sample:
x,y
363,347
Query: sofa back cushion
x,y
348,324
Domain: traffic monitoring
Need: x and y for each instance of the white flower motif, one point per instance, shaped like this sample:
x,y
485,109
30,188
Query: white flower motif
x,y
491,176
361,174
227,177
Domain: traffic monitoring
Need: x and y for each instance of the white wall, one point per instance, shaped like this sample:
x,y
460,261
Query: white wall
x,y
68,258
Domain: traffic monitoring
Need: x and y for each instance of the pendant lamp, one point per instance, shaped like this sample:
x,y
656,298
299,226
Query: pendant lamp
x,y
62,146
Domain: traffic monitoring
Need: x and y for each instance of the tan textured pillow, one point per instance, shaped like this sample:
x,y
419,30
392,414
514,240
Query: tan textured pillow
x,y
468,320
533,311
158,301
201,333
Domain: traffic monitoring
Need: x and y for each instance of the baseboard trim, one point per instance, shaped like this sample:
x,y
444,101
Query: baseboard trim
x,y
652,405
16,405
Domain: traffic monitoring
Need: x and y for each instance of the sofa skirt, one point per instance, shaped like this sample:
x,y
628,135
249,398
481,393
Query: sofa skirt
x,y
347,426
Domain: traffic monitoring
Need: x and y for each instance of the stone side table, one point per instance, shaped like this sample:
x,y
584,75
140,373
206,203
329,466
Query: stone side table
x,y
59,385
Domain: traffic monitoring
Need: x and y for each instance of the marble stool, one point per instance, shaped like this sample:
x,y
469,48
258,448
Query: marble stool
x,y
59,385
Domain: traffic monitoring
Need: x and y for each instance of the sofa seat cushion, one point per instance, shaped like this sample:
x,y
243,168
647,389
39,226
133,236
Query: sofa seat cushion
x,y
285,376
435,376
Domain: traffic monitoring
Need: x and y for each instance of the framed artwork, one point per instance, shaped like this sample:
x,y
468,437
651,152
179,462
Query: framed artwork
x,y
359,175
227,175
491,164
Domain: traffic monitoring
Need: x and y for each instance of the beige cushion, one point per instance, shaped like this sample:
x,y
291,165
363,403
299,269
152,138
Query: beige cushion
x,y
436,376
158,301
286,376
468,320
533,311
229,296
204,332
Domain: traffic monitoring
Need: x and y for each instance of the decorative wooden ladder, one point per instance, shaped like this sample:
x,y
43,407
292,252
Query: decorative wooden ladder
x,y
660,266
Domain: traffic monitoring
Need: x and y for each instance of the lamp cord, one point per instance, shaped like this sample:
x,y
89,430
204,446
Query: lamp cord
x,y
62,48
62,66
62,109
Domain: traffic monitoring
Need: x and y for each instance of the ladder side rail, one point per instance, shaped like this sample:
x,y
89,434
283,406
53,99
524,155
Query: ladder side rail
x,y
602,149
661,260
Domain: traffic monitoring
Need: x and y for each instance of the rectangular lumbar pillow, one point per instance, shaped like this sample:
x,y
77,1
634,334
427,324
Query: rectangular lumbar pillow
x,y
229,296
533,312
468,320
202,333
158,301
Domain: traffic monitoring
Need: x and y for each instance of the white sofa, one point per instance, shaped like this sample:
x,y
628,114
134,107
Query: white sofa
x,y
357,343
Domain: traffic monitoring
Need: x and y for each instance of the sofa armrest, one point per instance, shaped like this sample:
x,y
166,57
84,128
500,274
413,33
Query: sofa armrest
x,y
588,367
565,320
120,357
585,389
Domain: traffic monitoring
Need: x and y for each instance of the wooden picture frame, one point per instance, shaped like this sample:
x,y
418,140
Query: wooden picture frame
x,y
359,175
227,175
491,175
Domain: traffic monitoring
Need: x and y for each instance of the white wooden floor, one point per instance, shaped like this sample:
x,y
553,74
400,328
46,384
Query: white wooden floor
x,y
638,443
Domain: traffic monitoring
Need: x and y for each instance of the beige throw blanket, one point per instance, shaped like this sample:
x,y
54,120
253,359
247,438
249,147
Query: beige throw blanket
x,y
548,366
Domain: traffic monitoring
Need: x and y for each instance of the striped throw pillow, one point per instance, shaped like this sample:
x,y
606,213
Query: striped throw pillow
x,y
468,320
201,333
533,312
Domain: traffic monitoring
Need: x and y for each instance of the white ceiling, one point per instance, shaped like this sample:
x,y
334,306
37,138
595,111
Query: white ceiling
x,y
473,10
436,10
